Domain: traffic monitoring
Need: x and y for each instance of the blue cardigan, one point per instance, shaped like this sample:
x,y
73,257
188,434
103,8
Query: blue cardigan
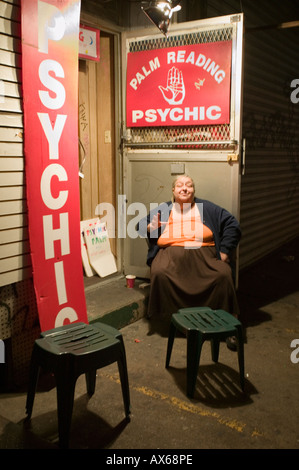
x,y
225,227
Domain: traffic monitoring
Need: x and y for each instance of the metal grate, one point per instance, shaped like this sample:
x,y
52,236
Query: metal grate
x,y
186,39
193,137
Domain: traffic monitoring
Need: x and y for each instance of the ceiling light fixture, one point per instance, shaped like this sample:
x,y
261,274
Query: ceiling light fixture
x,y
160,13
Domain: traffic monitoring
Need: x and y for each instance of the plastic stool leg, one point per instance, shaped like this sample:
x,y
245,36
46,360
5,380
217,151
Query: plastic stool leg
x,y
123,373
90,378
194,345
172,330
33,379
122,368
65,386
215,349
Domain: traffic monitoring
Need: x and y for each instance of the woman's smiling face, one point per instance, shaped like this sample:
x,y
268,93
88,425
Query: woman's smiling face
x,y
183,191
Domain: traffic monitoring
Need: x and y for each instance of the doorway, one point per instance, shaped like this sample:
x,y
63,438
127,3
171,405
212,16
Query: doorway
x,y
97,143
155,154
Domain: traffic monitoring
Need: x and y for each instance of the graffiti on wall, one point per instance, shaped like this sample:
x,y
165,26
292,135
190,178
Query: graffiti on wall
x,y
18,311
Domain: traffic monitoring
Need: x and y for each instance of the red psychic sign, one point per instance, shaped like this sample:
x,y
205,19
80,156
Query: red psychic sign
x,y
186,85
50,31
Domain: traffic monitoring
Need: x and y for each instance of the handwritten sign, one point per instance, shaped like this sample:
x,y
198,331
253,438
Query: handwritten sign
x,y
85,224
98,248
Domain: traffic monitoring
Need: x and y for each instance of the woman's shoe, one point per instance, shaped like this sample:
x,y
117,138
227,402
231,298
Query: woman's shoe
x,y
231,343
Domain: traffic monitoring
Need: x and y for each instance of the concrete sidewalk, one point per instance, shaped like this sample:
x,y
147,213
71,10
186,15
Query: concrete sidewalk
x,y
220,416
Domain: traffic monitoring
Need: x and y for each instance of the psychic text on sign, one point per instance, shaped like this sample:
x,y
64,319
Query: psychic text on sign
x,y
176,86
50,32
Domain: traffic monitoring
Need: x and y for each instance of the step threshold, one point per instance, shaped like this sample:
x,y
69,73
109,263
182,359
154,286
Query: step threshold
x,y
110,301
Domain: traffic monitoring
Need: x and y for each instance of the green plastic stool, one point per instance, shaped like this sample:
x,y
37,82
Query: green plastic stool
x,y
200,324
68,352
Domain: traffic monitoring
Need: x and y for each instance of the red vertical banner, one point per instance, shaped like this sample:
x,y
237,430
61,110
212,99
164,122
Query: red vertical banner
x,y
50,32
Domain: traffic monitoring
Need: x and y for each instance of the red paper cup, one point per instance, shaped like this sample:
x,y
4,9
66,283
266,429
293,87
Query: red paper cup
x,y
130,280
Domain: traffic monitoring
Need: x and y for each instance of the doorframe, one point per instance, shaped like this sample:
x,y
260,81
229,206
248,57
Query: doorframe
x,y
116,32
144,34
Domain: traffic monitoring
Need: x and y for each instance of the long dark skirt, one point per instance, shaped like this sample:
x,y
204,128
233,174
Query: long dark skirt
x,y
183,277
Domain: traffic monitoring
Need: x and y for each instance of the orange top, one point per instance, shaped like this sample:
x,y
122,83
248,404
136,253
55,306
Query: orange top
x,y
185,228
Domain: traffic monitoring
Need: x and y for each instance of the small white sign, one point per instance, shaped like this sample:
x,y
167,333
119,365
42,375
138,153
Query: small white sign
x,y
98,248
83,225
89,43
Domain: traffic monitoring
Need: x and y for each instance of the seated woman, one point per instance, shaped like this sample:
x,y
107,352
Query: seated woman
x,y
190,244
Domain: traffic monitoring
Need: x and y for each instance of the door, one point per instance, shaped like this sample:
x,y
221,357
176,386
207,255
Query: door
x,y
208,151
97,132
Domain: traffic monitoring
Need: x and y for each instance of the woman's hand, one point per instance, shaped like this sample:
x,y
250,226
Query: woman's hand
x,y
155,223
224,257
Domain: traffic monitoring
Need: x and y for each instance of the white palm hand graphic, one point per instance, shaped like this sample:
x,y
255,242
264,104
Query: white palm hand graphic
x,y
174,93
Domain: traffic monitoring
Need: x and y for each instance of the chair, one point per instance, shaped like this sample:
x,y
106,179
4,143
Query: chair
x,y
69,351
200,324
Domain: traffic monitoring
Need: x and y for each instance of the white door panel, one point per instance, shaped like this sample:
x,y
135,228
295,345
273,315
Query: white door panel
x,y
148,180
